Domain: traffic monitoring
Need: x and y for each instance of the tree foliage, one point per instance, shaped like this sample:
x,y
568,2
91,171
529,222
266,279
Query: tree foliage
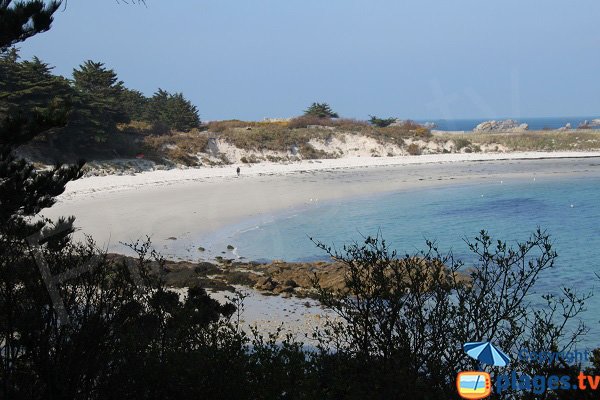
x,y
23,19
172,112
320,110
98,108
381,122
134,104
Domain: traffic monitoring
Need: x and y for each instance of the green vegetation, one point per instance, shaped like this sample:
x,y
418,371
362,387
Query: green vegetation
x,y
97,109
320,110
102,118
172,112
381,122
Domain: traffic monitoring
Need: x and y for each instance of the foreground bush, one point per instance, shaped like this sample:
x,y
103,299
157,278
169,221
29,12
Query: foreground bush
x,y
412,314
119,333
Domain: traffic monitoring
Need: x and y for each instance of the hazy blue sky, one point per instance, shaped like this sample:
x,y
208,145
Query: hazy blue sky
x,y
420,59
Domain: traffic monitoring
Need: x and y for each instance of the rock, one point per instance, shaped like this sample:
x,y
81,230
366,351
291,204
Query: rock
x,y
230,247
292,283
283,289
593,124
508,125
265,283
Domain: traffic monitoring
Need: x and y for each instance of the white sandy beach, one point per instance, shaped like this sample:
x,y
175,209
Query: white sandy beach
x,y
184,203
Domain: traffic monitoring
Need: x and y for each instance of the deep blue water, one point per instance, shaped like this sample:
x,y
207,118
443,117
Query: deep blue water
x,y
569,209
534,123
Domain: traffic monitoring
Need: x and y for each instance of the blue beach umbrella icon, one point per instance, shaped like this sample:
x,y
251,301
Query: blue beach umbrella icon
x,y
486,353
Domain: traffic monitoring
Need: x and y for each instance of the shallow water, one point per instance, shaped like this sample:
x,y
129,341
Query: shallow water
x,y
568,208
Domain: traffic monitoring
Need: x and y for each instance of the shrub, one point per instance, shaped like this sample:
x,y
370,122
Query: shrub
x,y
308,152
381,123
179,147
412,314
308,120
461,143
414,149
342,123
222,126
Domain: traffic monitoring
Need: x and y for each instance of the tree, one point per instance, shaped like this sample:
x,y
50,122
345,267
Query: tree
x,y
172,111
320,110
134,104
98,108
24,19
29,85
24,191
381,122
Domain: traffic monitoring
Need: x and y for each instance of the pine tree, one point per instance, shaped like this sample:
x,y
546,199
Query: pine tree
x,y
320,110
97,107
134,104
24,191
23,20
172,112
182,114
29,85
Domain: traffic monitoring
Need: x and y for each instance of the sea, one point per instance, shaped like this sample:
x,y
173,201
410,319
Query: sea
x,y
538,123
568,208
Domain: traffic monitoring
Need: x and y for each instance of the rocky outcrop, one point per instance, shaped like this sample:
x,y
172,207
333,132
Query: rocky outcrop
x,y
508,125
593,124
567,127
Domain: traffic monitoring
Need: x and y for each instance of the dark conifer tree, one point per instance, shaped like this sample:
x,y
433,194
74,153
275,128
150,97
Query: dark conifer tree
x,y
24,191
172,112
320,110
97,107
134,104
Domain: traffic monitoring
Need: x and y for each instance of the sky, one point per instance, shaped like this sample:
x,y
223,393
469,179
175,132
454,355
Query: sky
x,y
419,59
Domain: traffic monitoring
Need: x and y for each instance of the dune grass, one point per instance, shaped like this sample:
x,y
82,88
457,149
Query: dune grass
x,y
533,141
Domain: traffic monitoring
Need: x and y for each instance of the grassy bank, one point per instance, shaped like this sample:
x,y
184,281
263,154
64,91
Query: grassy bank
x,y
234,141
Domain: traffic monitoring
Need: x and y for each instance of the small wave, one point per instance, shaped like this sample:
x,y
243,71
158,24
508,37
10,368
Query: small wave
x,y
254,228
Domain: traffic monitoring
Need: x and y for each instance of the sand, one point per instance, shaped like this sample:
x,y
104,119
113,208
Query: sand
x,y
182,203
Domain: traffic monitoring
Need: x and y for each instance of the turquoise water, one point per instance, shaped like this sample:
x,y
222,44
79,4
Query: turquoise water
x,y
567,208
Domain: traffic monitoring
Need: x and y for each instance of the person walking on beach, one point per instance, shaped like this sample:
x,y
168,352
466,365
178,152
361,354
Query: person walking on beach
x,y
238,171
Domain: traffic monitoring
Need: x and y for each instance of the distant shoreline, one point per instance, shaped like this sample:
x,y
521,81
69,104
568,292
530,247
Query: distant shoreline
x,y
93,185
174,207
